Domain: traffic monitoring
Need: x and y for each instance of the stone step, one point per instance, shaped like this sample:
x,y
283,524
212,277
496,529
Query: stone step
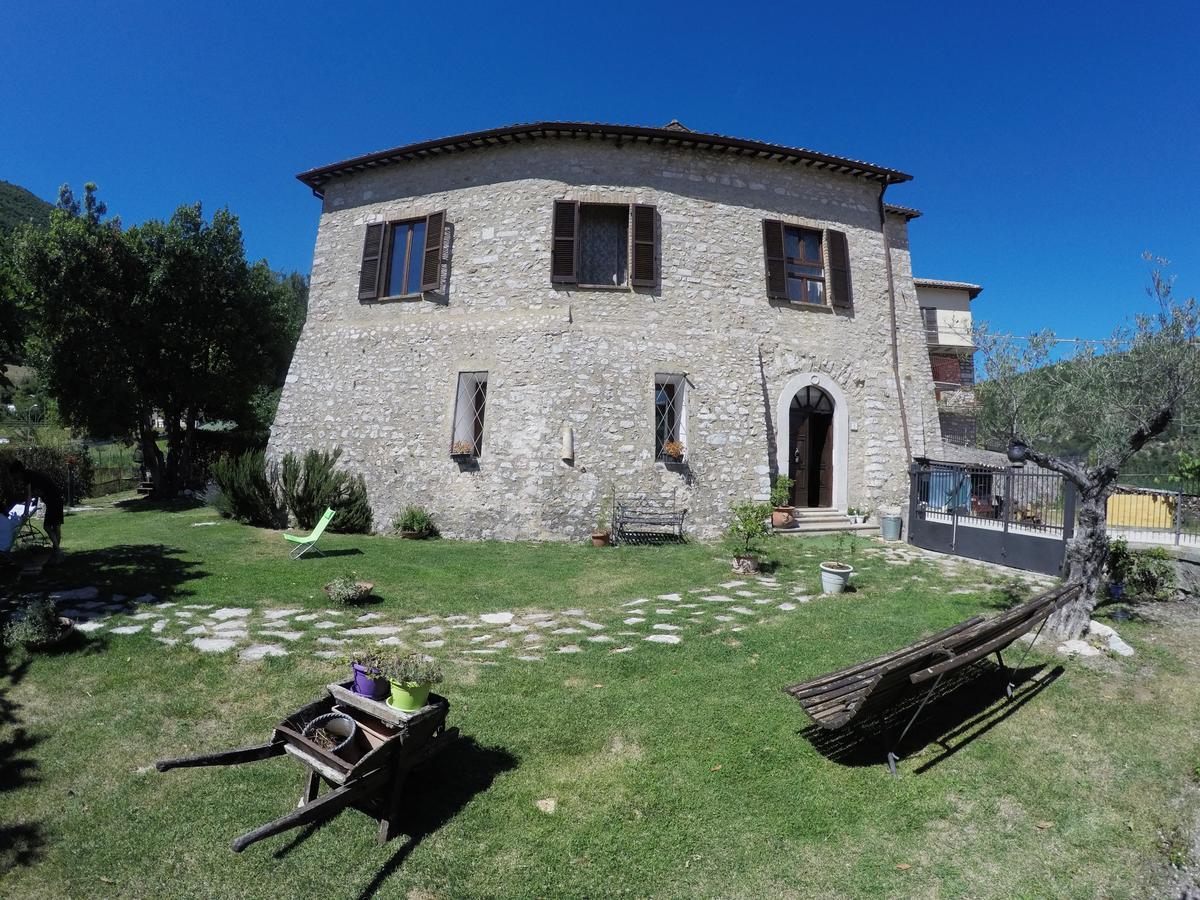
x,y
806,527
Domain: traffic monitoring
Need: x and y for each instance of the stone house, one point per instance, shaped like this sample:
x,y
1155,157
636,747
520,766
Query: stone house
x,y
509,327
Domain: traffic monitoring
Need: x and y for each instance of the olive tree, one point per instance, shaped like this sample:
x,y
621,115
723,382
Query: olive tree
x,y
1085,415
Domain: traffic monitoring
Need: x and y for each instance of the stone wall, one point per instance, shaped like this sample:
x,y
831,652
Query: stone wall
x,y
379,379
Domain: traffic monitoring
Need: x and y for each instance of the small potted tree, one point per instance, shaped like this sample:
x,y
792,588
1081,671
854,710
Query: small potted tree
x,y
369,680
672,453
746,531
411,678
603,533
348,589
415,524
835,574
40,628
782,514
1117,565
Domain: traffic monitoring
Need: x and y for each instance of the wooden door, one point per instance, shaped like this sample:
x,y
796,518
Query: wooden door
x,y
798,466
821,442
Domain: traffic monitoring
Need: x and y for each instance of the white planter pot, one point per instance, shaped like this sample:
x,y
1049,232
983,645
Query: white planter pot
x,y
834,580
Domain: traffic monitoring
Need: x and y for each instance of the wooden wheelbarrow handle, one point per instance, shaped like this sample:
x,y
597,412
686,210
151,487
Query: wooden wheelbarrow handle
x,y
318,810
225,757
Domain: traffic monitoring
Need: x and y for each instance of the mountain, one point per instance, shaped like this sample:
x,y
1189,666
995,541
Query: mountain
x,y
19,205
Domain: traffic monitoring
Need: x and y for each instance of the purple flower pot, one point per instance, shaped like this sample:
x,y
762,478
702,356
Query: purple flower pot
x,y
366,686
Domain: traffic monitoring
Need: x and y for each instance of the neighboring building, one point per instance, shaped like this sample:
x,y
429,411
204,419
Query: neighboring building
x,y
505,327
949,331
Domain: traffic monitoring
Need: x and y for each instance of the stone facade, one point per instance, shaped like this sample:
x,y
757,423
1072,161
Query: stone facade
x,y
379,379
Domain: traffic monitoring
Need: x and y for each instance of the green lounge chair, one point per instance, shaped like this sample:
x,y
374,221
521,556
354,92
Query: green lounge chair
x,y
309,541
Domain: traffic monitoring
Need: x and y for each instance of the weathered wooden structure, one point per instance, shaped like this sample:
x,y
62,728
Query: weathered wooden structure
x,y
369,775
852,695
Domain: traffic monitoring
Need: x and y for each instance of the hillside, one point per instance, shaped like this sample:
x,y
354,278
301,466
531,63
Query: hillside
x,y
19,205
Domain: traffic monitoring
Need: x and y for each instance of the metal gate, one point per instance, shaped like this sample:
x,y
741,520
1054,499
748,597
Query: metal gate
x,y
1008,515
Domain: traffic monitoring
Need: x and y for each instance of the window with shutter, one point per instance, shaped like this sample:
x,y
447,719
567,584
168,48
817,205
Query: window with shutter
x,y
795,263
402,259
604,244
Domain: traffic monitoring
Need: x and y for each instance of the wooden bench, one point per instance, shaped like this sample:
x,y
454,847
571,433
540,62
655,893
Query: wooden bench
x,y
639,519
851,695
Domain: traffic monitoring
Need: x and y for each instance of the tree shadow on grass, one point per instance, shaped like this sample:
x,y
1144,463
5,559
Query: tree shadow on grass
x,y
133,570
966,706
148,505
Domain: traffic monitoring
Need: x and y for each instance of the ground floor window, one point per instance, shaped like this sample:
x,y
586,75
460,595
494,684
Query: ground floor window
x,y
670,406
469,409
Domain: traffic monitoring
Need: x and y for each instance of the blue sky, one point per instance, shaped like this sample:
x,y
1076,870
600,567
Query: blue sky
x,y
1052,143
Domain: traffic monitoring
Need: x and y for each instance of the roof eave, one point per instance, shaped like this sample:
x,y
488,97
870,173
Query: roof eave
x,y
316,178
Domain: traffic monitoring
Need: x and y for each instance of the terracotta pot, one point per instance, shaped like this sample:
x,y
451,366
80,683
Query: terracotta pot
x,y
601,539
781,517
411,535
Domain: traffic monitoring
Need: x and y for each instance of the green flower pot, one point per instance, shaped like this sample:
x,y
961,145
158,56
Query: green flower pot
x,y
408,697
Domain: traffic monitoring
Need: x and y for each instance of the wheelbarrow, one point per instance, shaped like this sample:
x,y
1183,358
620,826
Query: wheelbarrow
x,y
368,774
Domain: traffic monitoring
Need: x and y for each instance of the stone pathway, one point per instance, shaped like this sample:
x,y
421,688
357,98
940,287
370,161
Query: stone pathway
x,y
528,636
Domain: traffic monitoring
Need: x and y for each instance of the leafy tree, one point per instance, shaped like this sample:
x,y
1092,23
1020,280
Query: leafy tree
x,y
1116,396
164,318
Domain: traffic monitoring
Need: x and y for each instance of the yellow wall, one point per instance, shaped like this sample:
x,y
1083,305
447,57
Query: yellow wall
x,y
1140,511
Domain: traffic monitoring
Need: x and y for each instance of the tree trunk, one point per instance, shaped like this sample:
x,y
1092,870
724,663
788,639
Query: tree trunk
x,y
169,487
1086,554
152,459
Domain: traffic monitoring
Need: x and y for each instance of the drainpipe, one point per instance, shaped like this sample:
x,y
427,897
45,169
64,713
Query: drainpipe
x,y
887,257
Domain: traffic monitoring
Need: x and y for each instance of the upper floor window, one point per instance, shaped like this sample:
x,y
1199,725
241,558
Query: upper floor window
x,y
469,407
670,407
806,265
604,244
402,259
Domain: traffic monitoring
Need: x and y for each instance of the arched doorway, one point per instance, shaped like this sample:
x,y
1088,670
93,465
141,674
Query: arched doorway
x,y
810,433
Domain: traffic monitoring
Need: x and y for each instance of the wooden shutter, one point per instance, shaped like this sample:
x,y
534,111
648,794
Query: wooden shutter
x,y
564,252
431,261
773,251
839,269
372,259
645,246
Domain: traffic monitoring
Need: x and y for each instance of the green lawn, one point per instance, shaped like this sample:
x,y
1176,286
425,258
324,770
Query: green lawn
x,y
676,770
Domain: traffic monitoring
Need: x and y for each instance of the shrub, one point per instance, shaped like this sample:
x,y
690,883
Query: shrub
x,y
412,669
347,589
416,519
39,625
781,491
69,467
749,526
313,482
249,489
1151,574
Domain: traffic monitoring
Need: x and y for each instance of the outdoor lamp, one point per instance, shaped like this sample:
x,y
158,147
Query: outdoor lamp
x,y
1018,452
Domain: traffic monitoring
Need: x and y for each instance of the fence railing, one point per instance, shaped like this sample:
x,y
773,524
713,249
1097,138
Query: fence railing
x,y
1013,516
1155,509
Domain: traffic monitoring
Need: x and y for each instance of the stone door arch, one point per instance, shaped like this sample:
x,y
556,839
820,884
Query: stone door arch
x,y
812,440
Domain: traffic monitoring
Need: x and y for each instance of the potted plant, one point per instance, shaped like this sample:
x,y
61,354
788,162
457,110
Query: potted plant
x,y
672,452
835,574
1117,565
369,680
415,524
603,533
348,589
462,451
411,677
781,502
41,627
748,528
857,515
